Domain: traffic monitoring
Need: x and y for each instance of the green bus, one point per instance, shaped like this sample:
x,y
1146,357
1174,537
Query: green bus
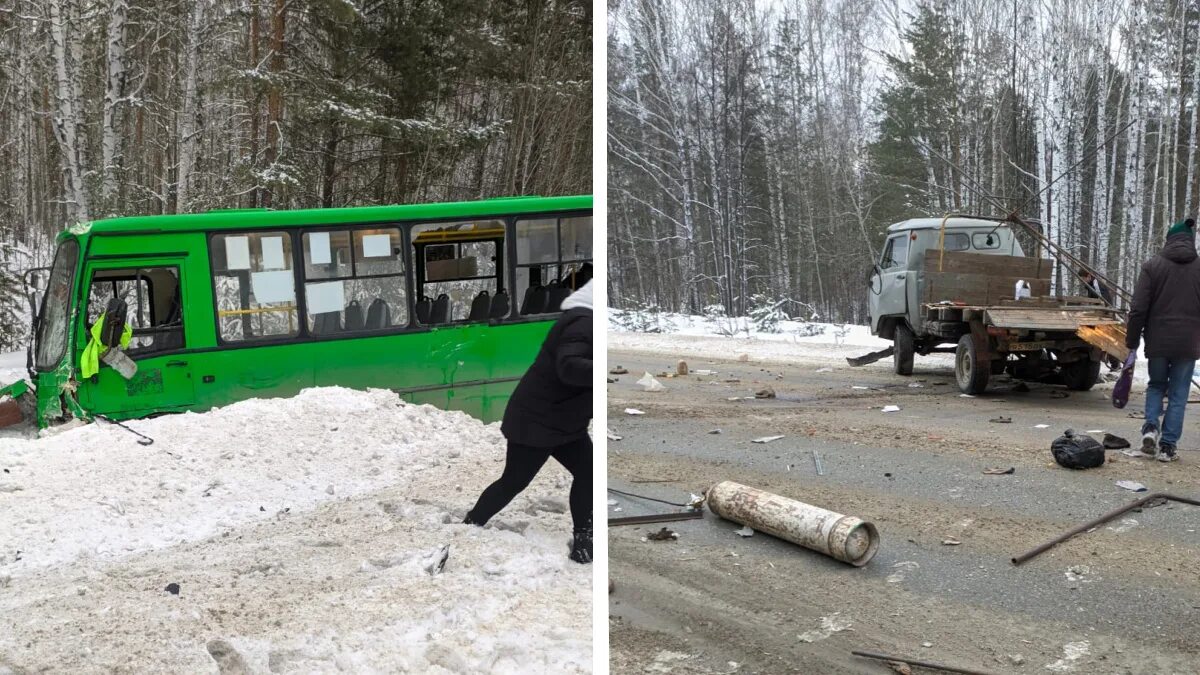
x,y
446,304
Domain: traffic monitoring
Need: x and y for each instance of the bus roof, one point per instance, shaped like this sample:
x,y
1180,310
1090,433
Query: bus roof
x,y
936,223
252,218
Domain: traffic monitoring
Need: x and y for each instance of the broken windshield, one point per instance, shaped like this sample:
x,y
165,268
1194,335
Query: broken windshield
x,y
52,329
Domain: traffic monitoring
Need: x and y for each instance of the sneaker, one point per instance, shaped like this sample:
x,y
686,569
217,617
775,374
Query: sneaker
x,y
581,547
1150,441
1166,453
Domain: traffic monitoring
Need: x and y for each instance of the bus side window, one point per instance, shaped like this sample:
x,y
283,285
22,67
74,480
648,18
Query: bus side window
x,y
553,260
354,281
254,285
155,308
460,277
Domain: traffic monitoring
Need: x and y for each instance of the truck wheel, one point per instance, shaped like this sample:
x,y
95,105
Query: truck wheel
x,y
971,375
1081,375
904,347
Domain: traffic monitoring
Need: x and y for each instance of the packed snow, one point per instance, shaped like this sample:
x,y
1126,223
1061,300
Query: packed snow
x,y
304,534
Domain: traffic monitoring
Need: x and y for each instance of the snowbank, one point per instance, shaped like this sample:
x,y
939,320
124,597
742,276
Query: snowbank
x,y
89,503
704,337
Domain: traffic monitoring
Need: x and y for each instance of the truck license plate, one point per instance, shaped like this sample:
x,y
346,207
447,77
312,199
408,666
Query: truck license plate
x,y
1030,346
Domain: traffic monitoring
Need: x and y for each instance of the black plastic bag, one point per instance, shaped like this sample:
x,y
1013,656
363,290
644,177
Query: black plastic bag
x,y
1077,451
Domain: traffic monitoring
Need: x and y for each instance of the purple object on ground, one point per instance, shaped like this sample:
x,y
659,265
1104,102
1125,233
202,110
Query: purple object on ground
x,y
1120,394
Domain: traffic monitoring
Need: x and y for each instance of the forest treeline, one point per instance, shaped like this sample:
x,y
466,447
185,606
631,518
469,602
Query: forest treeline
x,y
123,107
758,150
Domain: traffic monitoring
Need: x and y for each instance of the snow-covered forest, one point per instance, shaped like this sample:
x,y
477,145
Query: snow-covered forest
x,y
122,107
757,150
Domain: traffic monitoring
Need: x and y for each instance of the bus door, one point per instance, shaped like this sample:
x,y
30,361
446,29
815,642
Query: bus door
x,y
154,292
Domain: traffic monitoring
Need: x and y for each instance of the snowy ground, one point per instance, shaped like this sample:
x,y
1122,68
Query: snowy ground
x,y
794,341
299,532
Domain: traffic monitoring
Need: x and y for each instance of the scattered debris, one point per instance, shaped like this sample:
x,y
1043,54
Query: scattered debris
x,y
681,368
714,431
900,667
766,439
1041,426
817,462
613,502
663,535
612,380
619,371
765,393
612,435
746,531
859,386
966,396
1076,451
1001,420
829,625
1076,573
172,588
1134,453
1131,485
702,371
902,569
999,470
436,562
648,383
1137,415
1016,659
1126,525
633,411
1058,393
890,408
1114,442
901,663
824,370
950,541
1072,652
915,385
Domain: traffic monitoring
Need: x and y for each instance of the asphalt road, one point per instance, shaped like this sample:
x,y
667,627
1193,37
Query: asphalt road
x,y
713,602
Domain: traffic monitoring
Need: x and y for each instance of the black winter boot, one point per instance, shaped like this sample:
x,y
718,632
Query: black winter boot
x,y
581,547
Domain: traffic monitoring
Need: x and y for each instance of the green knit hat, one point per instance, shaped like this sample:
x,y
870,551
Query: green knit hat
x,y
1186,226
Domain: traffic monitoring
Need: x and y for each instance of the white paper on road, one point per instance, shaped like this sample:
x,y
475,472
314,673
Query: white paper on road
x,y
318,248
237,253
273,286
766,439
328,296
633,411
377,245
272,249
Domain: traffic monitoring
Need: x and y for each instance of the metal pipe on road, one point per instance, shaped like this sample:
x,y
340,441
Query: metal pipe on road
x,y
845,538
1100,521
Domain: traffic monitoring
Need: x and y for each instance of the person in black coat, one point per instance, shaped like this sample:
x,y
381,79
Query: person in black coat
x,y
548,416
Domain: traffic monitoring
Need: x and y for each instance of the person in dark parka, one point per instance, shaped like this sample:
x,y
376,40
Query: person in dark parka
x,y
1166,308
548,416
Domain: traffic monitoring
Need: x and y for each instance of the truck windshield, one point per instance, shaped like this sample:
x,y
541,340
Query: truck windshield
x,y
52,329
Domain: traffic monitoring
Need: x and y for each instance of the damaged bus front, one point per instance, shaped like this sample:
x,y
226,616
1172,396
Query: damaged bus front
x,y
446,304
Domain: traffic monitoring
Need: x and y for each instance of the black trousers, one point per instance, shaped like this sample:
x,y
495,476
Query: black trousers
x,y
523,463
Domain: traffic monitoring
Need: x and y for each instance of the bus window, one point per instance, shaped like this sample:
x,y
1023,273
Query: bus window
x,y
553,259
254,284
152,296
355,281
460,272
52,328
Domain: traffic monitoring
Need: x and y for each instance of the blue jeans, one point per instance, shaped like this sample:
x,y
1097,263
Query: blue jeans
x,y
1171,378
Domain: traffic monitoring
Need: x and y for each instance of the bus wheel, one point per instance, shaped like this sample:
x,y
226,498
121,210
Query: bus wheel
x,y
904,347
1081,375
971,375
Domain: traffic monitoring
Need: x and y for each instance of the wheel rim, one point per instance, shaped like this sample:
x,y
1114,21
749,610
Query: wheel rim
x,y
964,367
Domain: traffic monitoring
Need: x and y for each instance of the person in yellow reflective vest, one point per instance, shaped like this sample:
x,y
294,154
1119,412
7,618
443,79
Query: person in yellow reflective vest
x,y
89,363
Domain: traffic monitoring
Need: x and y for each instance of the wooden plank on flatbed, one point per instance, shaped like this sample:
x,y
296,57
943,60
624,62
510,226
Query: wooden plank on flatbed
x,y
1109,337
1046,319
988,265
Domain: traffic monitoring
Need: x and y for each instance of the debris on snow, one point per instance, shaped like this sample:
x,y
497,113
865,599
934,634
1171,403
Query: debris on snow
x,y
1072,652
766,439
633,411
890,408
834,623
1131,485
746,531
664,534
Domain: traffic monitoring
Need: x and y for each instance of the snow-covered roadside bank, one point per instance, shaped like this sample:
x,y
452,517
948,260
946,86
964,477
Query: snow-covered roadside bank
x,y
299,531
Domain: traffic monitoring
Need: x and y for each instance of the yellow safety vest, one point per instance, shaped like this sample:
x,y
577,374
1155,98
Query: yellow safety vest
x,y
89,363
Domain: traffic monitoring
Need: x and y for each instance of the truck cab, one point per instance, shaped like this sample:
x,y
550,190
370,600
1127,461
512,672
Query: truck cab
x,y
897,281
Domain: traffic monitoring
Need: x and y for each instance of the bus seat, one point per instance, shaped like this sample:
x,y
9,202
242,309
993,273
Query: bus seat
x,y
535,300
480,307
379,314
557,295
441,310
499,308
423,309
327,323
354,316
